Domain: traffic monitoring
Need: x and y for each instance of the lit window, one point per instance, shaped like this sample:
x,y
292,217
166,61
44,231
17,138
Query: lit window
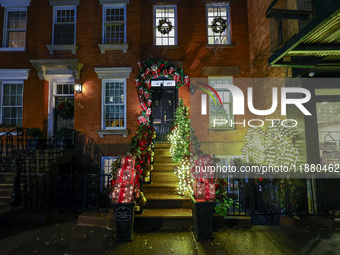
x,y
15,28
114,24
165,25
64,25
218,23
220,116
11,103
114,104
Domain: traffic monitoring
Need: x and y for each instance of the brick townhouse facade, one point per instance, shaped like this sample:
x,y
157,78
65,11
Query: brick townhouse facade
x,y
48,46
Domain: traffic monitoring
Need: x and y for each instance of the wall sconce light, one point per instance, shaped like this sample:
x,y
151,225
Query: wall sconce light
x,y
78,88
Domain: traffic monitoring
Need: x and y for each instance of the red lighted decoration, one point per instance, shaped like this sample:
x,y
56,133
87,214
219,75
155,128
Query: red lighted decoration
x,y
123,184
205,185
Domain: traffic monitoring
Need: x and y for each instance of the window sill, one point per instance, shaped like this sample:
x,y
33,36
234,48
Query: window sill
x,y
12,133
166,47
12,49
71,47
220,46
217,130
104,47
105,132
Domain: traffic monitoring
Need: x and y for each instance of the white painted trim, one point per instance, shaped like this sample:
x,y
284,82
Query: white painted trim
x,y
114,1
57,68
12,49
4,36
113,72
64,2
51,101
15,3
103,127
14,74
71,47
105,47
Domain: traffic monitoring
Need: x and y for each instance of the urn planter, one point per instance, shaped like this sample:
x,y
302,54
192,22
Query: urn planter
x,y
203,217
124,218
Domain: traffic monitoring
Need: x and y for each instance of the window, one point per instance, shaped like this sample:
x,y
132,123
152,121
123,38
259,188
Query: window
x,y
220,117
15,28
218,14
165,19
64,25
114,19
114,104
11,103
65,89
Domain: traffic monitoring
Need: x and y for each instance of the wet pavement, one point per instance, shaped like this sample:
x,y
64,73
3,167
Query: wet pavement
x,y
61,235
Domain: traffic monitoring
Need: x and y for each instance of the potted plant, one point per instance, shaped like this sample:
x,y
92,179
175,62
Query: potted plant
x,y
122,194
204,201
34,135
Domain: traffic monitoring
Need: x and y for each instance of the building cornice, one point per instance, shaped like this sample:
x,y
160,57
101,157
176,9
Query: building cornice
x,y
15,3
14,74
113,72
114,1
64,2
51,68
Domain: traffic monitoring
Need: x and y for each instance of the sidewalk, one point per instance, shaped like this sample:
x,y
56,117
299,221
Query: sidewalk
x,y
62,236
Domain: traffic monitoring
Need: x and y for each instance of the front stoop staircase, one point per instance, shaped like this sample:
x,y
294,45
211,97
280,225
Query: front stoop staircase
x,y
6,188
164,209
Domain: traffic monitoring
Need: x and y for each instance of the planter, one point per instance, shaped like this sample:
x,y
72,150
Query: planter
x,y
203,216
33,143
124,218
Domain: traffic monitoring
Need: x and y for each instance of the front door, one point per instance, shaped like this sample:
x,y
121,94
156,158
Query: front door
x,y
64,108
164,103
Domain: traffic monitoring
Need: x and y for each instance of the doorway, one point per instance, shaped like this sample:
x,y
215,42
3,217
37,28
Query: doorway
x,y
64,107
163,109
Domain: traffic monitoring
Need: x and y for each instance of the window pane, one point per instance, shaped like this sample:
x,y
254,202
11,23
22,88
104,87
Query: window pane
x,y
64,34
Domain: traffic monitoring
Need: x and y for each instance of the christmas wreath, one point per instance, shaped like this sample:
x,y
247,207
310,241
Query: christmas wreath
x,y
164,26
65,110
219,25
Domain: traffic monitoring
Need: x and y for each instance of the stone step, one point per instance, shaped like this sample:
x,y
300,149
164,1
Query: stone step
x,y
5,194
5,183
162,159
162,153
163,177
162,145
164,167
165,200
160,188
169,219
163,219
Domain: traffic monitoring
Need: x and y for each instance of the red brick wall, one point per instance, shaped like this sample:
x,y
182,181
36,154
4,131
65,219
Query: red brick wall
x,y
192,52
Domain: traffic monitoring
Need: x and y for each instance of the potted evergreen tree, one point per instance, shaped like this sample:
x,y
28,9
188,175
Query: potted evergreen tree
x,y
34,140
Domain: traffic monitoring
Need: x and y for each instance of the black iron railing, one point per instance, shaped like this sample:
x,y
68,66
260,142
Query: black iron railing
x,y
66,192
262,196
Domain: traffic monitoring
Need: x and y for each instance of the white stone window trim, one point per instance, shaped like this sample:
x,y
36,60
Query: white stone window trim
x,y
15,3
4,36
